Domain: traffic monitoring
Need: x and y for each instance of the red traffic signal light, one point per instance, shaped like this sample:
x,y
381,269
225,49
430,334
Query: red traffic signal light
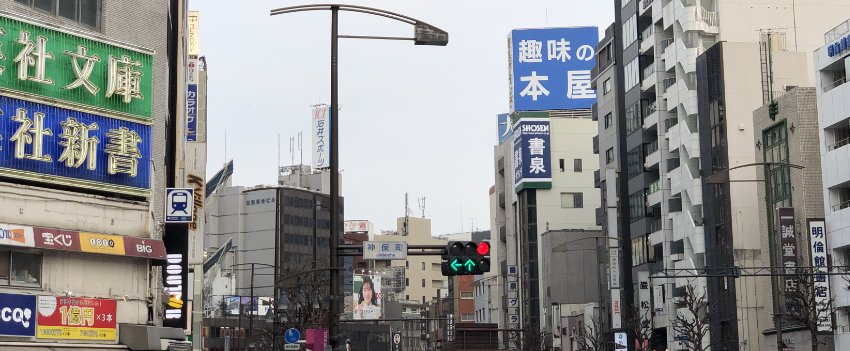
x,y
484,248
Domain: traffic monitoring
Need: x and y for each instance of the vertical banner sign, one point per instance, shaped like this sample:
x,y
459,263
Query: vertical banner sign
x,y
616,310
192,110
321,146
788,247
532,154
658,296
549,69
76,319
193,31
17,315
817,240
644,295
196,227
175,275
423,325
614,267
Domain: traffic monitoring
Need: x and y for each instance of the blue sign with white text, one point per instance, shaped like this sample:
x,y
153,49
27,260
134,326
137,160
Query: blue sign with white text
x,y
532,154
550,68
76,148
505,130
192,113
17,315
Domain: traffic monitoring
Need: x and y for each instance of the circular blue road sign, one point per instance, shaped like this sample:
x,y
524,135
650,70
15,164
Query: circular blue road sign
x,y
292,335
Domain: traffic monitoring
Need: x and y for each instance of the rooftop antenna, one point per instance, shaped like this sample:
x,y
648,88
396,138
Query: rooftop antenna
x,y
300,144
405,230
292,150
278,154
422,205
225,148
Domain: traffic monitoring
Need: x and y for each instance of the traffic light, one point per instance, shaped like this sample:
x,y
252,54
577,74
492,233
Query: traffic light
x,y
466,258
773,110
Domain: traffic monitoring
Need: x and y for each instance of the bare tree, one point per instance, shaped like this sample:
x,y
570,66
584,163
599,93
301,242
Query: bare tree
x,y
308,296
805,306
590,337
639,325
693,322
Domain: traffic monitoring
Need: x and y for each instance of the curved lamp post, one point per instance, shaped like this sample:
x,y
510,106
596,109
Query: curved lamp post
x,y
423,34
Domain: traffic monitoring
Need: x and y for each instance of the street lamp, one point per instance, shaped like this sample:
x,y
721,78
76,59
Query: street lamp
x,y
423,34
723,177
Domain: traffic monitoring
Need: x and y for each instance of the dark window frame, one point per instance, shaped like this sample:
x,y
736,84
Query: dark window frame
x,y
78,4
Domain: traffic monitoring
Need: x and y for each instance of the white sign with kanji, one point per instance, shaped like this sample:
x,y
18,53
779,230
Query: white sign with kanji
x,y
384,250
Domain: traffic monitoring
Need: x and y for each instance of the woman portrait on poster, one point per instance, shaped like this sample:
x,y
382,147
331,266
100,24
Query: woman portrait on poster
x,y
367,303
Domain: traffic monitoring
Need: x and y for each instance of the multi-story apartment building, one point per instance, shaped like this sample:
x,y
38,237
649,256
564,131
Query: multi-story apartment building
x,y
832,64
656,149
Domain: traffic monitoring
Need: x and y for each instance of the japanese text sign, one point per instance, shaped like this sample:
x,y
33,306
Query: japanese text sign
x,y
838,46
76,319
321,146
17,315
532,154
16,235
192,112
47,64
356,226
817,235
384,250
505,129
62,146
788,247
550,68
98,243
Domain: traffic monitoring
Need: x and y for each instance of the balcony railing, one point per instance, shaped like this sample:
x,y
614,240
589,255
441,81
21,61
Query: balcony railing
x,y
837,32
650,148
672,163
668,82
835,84
649,70
655,226
649,108
707,16
670,122
665,43
646,3
839,144
841,206
647,32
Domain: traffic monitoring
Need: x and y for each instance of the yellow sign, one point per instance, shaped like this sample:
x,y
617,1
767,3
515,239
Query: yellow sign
x,y
78,333
105,244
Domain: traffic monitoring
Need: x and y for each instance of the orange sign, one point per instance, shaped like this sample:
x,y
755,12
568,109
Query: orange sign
x,y
105,244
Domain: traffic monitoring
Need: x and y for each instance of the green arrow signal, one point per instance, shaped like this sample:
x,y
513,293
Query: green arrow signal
x,y
455,265
469,265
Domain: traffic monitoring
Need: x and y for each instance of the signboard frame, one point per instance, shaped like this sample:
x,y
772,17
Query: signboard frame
x,y
384,250
171,207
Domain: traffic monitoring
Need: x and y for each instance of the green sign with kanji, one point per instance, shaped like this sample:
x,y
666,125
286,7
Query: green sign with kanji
x,y
55,67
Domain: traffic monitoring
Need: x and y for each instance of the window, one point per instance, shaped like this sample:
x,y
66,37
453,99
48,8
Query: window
x,y
466,295
635,162
606,86
776,150
632,72
642,251
572,200
630,32
633,118
20,268
609,120
637,205
406,264
467,317
406,281
577,165
609,155
561,164
423,285
82,12
423,266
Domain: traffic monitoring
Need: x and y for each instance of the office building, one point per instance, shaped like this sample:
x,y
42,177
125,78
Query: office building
x,y
423,275
832,65
657,144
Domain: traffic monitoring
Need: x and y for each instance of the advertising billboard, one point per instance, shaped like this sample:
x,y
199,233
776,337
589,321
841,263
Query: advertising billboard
x,y
66,240
550,68
192,109
367,296
532,153
17,315
16,235
817,238
321,146
505,129
73,148
175,275
788,243
76,318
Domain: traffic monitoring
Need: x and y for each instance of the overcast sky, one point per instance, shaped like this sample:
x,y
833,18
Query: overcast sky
x,y
415,119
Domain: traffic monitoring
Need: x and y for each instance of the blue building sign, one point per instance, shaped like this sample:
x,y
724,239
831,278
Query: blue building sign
x,y
838,46
74,148
505,129
17,315
532,153
550,68
192,113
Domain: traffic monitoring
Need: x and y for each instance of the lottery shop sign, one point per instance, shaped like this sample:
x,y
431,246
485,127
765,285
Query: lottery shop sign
x,y
76,318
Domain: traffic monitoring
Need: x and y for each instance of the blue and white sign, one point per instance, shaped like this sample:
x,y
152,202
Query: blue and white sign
x,y
321,147
838,46
532,154
292,335
179,205
550,68
192,113
505,130
384,250
817,238
512,286
17,315
73,148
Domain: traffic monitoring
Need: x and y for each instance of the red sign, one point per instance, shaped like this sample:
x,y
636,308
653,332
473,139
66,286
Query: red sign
x,y
56,239
76,319
144,247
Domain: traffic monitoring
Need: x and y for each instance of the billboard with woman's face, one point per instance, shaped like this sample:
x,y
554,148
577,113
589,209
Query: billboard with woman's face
x,y
367,297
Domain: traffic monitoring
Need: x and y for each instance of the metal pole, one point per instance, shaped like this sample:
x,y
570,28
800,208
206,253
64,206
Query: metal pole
x,y
251,315
777,303
333,321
